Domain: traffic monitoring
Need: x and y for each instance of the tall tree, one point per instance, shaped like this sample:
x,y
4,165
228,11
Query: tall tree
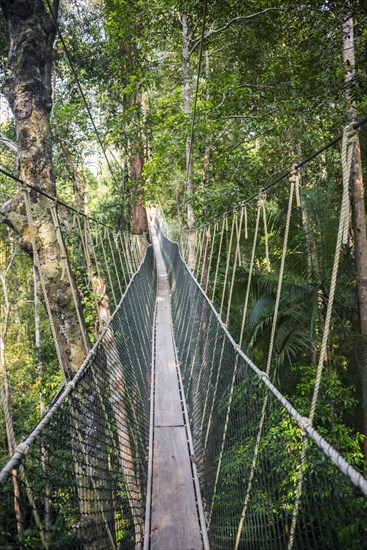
x,y
28,90
125,43
359,211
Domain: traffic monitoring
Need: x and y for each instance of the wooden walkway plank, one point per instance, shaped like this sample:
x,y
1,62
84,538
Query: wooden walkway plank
x,y
174,517
175,524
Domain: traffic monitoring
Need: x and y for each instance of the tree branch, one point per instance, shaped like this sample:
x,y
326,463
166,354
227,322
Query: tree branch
x,y
229,24
221,134
8,143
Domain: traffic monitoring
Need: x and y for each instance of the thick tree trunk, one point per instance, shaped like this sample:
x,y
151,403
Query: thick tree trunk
x,y
140,220
29,94
28,90
359,213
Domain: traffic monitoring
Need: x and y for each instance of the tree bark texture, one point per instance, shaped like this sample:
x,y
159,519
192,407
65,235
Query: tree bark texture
x,y
136,146
28,90
359,213
140,220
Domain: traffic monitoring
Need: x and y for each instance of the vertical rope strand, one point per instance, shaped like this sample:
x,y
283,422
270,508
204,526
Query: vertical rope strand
x,y
218,258
237,259
270,352
350,136
249,280
112,287
211,257
281,273
228,262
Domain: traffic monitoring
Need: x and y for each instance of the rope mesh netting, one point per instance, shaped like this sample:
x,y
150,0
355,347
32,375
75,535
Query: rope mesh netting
x,y
82,481
248,444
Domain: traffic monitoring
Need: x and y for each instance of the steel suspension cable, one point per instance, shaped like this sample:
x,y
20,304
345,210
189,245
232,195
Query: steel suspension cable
x,y
297,166
56,200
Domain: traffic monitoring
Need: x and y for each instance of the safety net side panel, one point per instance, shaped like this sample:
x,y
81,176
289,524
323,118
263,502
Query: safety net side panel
x,y
249,448
82,483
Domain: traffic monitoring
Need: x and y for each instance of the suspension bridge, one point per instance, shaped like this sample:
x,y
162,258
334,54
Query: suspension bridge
x,y
169,436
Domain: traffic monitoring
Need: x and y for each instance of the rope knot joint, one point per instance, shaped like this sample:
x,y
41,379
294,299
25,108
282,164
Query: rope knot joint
x,y
262,198
350,132
294,174
22,448
71,384
304,423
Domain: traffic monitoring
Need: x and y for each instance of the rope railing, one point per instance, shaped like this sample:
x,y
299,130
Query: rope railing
x,y
247,262
269,186
252,264
82,472
248,441
268,477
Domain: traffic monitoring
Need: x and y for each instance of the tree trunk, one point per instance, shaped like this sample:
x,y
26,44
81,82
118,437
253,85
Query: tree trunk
x,y
207,151
140,220
310,242
359,214
28,90
5,401
187,111
96,278
311,248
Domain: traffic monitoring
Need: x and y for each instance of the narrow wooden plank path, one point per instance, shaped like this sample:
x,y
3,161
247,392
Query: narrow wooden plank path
x,y
174,517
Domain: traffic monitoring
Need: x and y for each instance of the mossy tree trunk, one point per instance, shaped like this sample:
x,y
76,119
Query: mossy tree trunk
x,y
28,91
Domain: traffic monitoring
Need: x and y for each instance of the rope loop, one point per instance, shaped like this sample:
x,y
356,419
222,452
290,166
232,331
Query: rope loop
x,y
115,237
350,133
350,137
295,179
261,204
294,174
304,423
262,198
22,448
71,384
